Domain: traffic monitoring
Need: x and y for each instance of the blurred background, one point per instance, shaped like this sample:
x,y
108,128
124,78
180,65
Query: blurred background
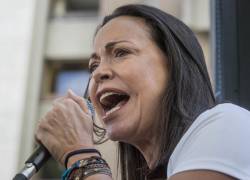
x,y
44,50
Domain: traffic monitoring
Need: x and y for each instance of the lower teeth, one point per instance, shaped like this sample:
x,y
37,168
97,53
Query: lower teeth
x,y
113,109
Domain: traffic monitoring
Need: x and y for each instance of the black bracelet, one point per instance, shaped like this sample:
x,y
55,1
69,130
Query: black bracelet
x,y
79,151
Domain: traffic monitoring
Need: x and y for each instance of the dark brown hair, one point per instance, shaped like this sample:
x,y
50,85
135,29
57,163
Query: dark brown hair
x,y
188,93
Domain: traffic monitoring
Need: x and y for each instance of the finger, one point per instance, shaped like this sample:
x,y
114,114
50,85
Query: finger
x,y
39,135
58,100
79,100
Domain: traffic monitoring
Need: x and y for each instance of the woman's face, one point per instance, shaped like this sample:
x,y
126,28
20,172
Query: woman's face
x,y
129,76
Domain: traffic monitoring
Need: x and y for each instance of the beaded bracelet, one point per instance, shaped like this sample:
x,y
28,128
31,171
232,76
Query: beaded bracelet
x,y
87,167
82,174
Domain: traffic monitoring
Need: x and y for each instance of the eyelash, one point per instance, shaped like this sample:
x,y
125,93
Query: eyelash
x,y
93,66
119,52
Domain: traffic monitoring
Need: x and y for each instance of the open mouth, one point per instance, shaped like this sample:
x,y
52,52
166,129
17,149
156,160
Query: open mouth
x,y
112,101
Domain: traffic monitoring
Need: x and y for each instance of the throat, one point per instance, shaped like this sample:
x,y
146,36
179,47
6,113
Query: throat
x,y
158,173
150,152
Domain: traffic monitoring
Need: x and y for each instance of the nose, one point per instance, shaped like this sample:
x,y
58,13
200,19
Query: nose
x,y
102,73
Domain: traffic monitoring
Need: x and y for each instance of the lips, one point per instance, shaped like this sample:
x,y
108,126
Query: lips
x,y
111,100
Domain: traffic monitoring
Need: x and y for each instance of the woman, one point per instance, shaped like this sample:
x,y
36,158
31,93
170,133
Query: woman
x,y
150,88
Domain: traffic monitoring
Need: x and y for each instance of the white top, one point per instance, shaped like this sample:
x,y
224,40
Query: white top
x,y
219,140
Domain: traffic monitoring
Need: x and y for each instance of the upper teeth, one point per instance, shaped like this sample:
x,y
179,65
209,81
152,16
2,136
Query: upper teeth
x,y
106,94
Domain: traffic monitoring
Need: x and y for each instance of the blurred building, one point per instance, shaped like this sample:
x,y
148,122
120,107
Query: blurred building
x,y
44,49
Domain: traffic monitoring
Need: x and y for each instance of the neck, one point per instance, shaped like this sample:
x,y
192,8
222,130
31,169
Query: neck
x,y
149,150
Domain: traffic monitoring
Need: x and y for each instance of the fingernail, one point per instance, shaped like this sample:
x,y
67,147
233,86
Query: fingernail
x,y
70,91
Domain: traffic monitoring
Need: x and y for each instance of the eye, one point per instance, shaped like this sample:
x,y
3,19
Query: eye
x,y
119,52
93,66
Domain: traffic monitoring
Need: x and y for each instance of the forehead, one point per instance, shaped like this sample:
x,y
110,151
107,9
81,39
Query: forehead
x,y
126,28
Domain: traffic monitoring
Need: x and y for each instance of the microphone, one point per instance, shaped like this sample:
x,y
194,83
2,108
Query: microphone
x,y
39,157
34,163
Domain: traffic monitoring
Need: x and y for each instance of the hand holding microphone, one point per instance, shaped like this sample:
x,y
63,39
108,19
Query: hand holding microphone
x,y
68,126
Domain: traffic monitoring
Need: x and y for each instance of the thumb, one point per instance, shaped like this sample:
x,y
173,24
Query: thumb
x,y
79,100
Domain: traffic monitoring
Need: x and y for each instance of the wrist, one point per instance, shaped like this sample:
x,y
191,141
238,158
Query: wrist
x,y
92,166
79,154
73,159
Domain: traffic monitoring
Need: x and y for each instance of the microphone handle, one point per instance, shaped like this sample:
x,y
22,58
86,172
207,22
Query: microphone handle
x,y
34,163
39,157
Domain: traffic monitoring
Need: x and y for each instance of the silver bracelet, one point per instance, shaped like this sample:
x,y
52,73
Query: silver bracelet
x,y
88,167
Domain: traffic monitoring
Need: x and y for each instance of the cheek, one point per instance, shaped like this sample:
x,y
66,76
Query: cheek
x,y
150,85
136,75
147,79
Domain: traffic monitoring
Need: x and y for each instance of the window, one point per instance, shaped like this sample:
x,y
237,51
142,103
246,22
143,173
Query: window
x,y
82,5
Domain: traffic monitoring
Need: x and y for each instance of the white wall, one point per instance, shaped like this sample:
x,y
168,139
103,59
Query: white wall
x,y
70,38
15,37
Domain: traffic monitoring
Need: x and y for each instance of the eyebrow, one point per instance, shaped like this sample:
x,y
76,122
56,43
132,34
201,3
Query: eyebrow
x,y
108,47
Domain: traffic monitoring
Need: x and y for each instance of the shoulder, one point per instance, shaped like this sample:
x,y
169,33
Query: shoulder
x,y
229,110
222,112
217,141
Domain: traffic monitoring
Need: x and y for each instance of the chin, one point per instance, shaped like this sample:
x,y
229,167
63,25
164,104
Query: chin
x,y
119,133
113,134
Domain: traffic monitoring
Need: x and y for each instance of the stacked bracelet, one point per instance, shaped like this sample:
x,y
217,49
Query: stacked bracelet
x,y
87,167
79,151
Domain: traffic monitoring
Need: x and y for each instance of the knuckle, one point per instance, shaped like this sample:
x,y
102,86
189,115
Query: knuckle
x,y
56,109
69,101
44,122
38,135
41,126
47,118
